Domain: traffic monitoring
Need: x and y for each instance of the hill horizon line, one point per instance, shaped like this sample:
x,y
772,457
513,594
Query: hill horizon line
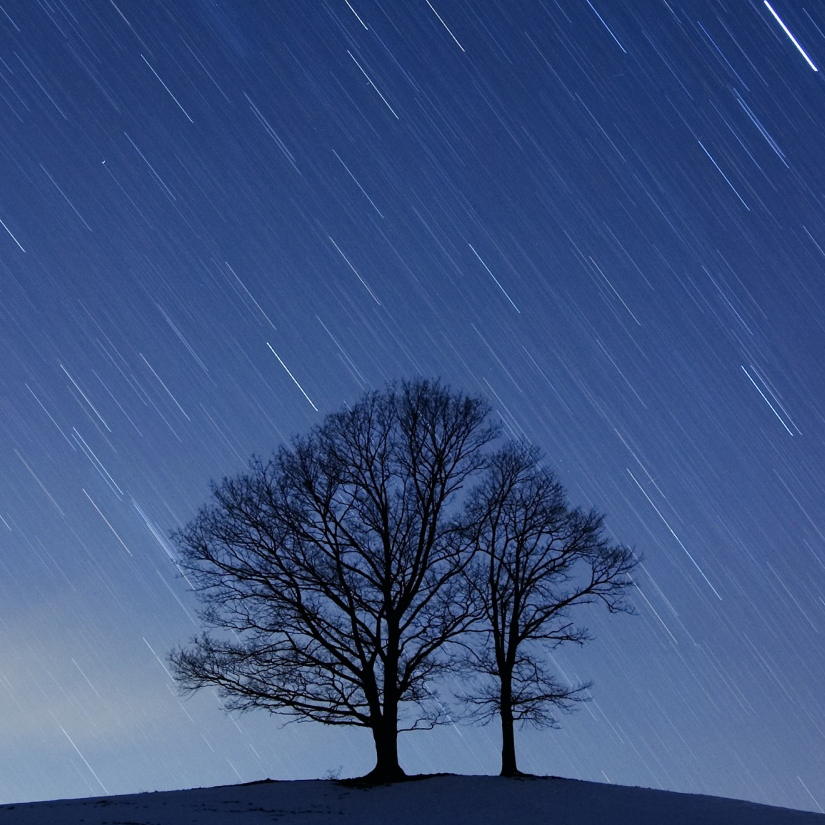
x,y
458,799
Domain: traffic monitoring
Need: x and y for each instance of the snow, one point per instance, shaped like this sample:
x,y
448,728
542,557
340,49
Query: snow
x,y
452,800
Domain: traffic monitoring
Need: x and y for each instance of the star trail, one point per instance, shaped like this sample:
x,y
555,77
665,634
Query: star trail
x,y
222,220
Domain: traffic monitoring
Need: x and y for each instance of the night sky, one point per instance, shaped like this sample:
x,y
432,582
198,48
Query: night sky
x,y
223,219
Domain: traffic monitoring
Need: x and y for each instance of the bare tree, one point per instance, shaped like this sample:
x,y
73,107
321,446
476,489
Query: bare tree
x,y
331,574
536,559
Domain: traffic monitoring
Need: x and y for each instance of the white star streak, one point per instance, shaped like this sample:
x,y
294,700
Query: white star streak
x,y
108,523
12,236
357,15
373,85
727,179
672,533
91,769
494,278
167,89
793,39
357,275
440,20
765,399
289,373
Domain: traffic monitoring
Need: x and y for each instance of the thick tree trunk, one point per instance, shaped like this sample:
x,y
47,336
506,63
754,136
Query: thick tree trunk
x,y
385,729
385,736
508,738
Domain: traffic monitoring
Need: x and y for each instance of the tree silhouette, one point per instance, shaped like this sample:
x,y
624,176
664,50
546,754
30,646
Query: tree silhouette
x,y
331,574
536,559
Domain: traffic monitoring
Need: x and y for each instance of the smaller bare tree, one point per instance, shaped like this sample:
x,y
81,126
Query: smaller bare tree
x,y
536,559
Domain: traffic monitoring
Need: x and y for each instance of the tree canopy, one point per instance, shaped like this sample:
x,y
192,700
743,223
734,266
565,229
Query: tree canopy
x,y
535,560
341,577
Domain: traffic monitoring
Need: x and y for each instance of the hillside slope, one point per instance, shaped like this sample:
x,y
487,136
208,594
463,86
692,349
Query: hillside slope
x,y
451,800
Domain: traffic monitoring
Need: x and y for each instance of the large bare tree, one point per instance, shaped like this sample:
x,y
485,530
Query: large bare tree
x,y
331,575
536,559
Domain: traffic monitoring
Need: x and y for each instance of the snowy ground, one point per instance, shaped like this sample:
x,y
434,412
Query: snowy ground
x,y
452,800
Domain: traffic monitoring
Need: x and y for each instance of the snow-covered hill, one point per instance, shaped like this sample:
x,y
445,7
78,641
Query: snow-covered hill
x,y
451,800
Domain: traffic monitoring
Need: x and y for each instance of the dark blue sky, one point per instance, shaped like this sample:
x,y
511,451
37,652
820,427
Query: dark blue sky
x,y
221,220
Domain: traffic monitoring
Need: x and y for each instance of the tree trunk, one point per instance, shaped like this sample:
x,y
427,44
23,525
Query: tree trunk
x,y
385,729
508,739
385,735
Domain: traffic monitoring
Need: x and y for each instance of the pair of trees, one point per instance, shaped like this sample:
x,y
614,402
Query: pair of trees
x,y
399,539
